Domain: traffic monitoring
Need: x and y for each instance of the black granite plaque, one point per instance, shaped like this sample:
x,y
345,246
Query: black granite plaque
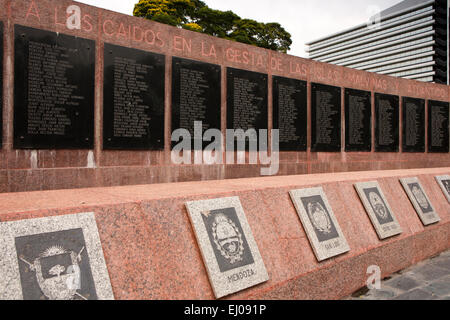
x,y
1,84
438,126
325,118
196,96
386,123
54,82
55,266
290,113
413,125
247,100
133,108
358,120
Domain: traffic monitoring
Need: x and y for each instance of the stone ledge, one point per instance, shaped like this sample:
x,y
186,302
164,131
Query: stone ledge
x,y
151,251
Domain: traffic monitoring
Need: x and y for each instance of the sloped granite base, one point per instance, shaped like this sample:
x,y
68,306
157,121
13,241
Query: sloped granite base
x,y
151,252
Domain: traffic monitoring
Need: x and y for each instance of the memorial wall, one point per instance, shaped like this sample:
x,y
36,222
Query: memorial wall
x,y
91,97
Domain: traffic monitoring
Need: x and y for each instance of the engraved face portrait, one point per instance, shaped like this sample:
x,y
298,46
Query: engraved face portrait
x,y
55,266
227,239
320,218
378,205
420,197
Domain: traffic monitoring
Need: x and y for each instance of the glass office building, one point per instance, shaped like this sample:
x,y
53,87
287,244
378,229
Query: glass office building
x,y
410,41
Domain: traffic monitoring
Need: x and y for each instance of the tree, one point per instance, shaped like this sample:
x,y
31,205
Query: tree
x,y
275,37
172,12
195,15
57,270
217,23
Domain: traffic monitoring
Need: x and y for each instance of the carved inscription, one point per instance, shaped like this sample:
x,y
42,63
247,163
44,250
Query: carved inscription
x,y
325,118
438,126
358,124
246,100
413,125
54,90
387,122
195,96
134,99
290,113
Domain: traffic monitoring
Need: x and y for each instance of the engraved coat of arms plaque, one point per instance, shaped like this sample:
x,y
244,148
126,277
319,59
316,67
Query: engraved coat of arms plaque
x,y
420,201
378,209
229,251
54,258
321,226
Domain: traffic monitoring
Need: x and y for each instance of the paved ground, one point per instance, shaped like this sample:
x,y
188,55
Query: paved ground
x,y
429,280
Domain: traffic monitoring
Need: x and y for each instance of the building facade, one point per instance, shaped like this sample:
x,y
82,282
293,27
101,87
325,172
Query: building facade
x,y
409,40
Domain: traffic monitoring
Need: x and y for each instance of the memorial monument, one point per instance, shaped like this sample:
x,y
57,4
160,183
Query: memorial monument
x,y
90,101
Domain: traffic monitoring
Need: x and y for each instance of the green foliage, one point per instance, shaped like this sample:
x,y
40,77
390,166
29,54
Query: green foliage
x,y
193,27
217,23
195,15
274,36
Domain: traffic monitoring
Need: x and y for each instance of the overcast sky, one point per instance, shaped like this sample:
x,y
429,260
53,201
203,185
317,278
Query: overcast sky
x,y
305,20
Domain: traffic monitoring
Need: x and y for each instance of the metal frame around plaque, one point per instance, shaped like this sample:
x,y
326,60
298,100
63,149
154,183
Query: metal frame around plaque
x,y
420,201
378,209
321,226
226,242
